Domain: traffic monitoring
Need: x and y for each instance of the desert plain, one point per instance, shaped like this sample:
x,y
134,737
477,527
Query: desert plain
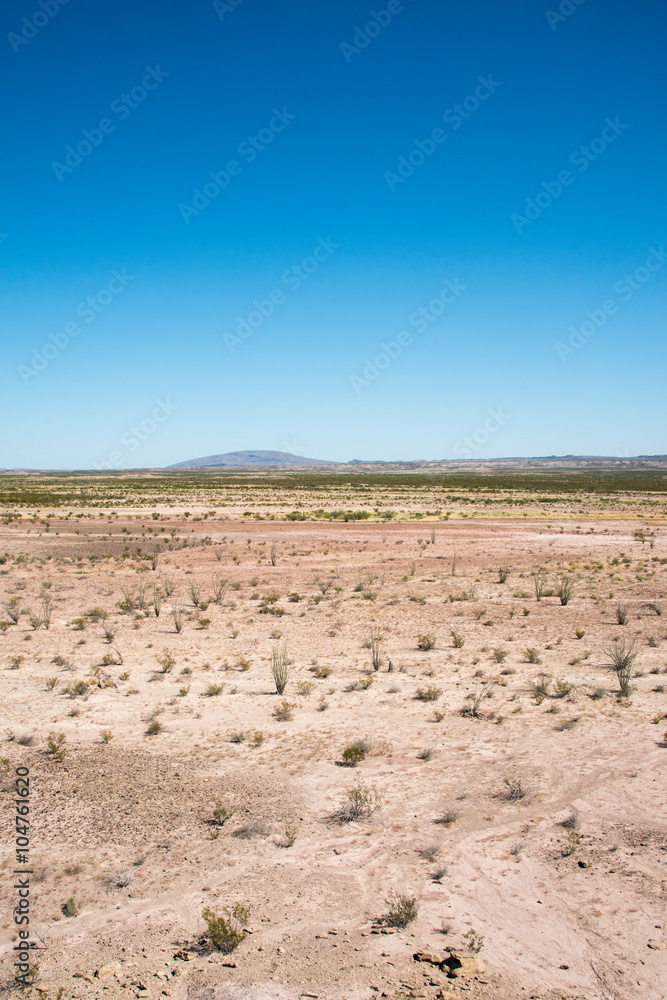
x,y
456,794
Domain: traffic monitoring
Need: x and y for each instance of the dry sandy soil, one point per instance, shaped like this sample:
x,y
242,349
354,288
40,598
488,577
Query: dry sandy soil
x,y
565,881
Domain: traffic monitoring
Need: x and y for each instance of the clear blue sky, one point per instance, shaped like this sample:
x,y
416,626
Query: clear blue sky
x,y
333,129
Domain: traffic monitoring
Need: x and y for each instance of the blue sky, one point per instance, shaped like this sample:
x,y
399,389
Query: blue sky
x,y
220,222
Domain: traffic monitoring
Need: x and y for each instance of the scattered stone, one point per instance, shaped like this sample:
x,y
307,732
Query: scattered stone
x,y
584,864
433,957
462,965
184,956
83,975
657,945
108,970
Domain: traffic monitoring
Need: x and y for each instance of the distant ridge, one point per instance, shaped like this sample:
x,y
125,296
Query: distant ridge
x,y
243,459
283,459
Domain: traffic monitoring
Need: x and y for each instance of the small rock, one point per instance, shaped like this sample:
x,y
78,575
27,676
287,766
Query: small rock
x,y
183,955
433,957
108,970
584,864
657,945
463,966
448,995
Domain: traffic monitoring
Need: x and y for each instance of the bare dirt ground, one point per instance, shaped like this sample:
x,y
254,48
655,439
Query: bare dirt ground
x,y
539,826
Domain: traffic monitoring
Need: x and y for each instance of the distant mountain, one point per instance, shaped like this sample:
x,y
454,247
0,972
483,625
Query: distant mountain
x,y
283,459
244,459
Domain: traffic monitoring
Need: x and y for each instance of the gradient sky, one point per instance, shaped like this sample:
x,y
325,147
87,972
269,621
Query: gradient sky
x,y
348,112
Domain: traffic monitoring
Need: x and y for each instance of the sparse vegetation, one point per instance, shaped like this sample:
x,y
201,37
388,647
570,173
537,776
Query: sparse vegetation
x,y
401,910
622,655
226,930
280,667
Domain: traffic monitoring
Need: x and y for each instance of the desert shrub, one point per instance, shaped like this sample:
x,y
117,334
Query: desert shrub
x,y
473,705
503,573
622,614
565,589
96,614
515,790
322,672
154,727
449,816
622,655
213,690
294,598
375,647
499,655
16,661
226,931
291,834
401,910
14,609
280,667
51,683
563,688
361,685
195,593
158,600
541,687
305,687
438,716
166,660
221,814
220,586
457,640
566,724
359,802
429,693
532,655
258,738
426,642
579,632
474,941
70,907
237,737
283,712
106,735
355,753
55,745
177,614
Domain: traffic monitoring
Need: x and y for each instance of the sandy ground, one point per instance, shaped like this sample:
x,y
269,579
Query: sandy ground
x,y
126,826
